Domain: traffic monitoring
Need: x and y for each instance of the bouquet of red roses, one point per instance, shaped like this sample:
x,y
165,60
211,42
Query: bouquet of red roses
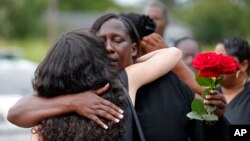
x,y
211,68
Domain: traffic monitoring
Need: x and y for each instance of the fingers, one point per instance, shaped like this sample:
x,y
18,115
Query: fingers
x,y
216,100
150,41
215,95
157,38
214,92
90,105
108,116
103,89
89,113
216,103
109,113
155,41
111,105
98,121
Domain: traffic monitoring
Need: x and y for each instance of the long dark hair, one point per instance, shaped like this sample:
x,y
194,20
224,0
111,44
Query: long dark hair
x,y
76,63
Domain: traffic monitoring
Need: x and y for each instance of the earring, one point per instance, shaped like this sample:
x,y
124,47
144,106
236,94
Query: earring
x,y
244,81
237,74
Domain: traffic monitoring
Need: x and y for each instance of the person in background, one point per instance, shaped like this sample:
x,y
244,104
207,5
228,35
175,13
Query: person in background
x,y
236,87
190,48
157,11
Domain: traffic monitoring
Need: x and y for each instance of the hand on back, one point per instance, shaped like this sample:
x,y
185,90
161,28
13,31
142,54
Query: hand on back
x,y
92,106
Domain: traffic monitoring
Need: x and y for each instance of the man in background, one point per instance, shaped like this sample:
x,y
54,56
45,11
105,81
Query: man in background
x,y
158,12
190,48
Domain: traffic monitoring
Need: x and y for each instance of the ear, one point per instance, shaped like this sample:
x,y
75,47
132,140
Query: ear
x,y
244,65
134,51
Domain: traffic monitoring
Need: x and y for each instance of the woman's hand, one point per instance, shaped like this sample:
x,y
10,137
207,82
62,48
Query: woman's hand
x,y
92,106
152,42
31,110
217,99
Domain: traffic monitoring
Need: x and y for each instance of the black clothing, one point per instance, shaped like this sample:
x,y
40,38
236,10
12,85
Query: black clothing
x,y
133,131
238,110
162,106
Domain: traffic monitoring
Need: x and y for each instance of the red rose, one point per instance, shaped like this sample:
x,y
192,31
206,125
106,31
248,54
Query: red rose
x,y
211,64
228,65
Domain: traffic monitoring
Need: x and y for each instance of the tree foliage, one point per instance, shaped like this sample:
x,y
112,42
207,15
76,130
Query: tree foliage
x,y
25,18
87,5
20,18
213,19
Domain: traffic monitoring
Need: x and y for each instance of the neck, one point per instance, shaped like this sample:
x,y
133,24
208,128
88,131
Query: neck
x,y
233,90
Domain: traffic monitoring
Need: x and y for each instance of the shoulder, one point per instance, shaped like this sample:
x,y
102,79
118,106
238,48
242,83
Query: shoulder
x,y
124,78
247,85
245,93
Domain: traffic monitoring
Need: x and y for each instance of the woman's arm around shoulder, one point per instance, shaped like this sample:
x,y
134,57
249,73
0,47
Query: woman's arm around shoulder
x,y
31,110
150,67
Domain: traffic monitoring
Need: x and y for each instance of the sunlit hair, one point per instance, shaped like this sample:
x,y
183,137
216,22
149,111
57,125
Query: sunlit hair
x,y
129,26
237,47
77,63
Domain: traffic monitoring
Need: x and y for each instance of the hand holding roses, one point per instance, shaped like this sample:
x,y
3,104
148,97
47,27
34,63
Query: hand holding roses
x,y
211,68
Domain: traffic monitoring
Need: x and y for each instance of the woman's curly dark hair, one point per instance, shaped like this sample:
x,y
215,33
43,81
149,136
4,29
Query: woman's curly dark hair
x,y
143,24
77,63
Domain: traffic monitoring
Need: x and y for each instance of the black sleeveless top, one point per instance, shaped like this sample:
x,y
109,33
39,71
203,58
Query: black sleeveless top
x,y
131,133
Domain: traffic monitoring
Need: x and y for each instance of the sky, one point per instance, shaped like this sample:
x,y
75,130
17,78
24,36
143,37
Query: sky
x,y
128,2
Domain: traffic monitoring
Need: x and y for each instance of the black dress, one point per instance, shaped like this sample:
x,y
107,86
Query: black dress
x,y
162,106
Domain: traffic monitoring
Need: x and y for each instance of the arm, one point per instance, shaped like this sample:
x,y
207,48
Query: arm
x,y
187,76
150,67
154,42
31,110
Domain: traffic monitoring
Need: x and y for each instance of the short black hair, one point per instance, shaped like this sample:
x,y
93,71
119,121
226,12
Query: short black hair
x,y
237,47
144,24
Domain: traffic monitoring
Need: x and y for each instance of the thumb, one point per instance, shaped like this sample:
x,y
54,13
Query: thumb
x,y
102,89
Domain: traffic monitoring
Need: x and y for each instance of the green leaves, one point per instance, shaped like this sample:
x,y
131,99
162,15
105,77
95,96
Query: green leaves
x,y
194,115
198,106
203,81
210,108
206,117
200,111
206,92
209,82
219,80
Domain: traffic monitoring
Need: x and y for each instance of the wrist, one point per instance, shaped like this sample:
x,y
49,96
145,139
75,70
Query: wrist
x,y
67,103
